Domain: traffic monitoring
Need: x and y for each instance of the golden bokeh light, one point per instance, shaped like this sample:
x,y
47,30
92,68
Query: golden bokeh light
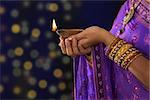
x,y
58,73
27,65
2,10
31,94
2,58
17,90
62,86
1,88
36,33
19,51
42,84
15,28
52,54
53,7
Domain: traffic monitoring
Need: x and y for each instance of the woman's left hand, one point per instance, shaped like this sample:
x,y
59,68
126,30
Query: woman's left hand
x,y
81,43
71,47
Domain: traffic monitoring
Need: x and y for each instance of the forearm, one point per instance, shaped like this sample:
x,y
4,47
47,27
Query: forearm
x,y
139,67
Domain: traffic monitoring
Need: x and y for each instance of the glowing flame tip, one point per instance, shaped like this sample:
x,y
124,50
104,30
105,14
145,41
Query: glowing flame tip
x,y
54,26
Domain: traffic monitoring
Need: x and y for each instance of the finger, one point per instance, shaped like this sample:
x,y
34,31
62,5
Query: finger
x,y
85,43
83,50
62,46
75,47
61,38
68,47
78,36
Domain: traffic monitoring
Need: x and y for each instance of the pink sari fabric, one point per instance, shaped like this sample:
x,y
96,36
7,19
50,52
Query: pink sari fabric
x,y
105,79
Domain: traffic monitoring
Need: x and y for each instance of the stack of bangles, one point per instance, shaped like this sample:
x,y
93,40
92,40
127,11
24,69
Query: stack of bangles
x,y
122,53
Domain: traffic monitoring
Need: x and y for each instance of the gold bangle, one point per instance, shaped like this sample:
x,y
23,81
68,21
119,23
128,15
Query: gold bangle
x,y
135,52
112,44
115,49
121,51
127,66
120,60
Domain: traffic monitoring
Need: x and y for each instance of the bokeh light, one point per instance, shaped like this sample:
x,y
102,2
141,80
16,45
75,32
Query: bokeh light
x,y
24,23
26,73
52,46
17,90
62,86
11,53
27,65
41,21
67,17
14,13
40,6
53,89
36,33
42,84
15,28
2,10
52,54
16,63
34,53
53,7
66,60
58,73
67,6
26,43
26,3
32,94
25,30
17,72
32,80
2,58
19,51
1,88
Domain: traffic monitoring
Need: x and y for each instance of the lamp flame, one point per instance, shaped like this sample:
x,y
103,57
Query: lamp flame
x,y
54,26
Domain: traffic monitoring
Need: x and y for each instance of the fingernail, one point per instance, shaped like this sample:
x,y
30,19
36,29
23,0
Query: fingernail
x,y
69,38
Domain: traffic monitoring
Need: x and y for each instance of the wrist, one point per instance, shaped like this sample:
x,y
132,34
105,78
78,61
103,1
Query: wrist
x,y
108,38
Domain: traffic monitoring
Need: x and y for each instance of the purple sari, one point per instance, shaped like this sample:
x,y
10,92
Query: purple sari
x,y
105,79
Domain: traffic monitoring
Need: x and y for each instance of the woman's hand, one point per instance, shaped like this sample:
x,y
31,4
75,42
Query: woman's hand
x,y
71,48
81,43
92,36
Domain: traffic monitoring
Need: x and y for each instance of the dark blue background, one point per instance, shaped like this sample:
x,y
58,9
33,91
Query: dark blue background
x,y
101,13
